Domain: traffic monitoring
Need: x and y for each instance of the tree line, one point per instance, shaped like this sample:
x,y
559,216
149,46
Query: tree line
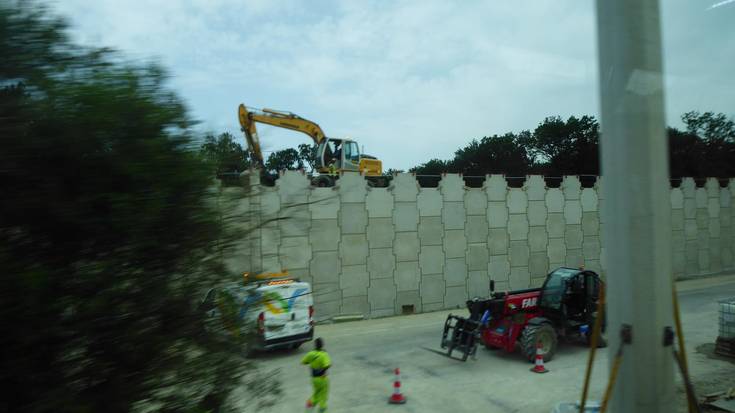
x,y
558,147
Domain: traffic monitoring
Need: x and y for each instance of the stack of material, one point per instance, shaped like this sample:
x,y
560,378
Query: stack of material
x,y
726,338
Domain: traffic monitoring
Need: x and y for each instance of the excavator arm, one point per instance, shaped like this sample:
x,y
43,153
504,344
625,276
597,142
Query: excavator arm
x,y
250,116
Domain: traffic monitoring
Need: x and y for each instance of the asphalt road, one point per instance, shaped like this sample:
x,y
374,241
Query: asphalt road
x,y
365,353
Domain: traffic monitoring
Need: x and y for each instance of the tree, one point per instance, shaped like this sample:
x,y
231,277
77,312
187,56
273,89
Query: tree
x,y
710,126
109,233
224,154
716,134
307,155
432,167
286,159
568,147
493,154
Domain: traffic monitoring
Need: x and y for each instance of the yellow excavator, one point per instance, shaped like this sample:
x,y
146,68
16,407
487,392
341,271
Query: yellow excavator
x,y
333,156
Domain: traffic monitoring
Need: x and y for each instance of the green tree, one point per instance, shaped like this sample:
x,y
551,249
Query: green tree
x,y
224,154
568,147
286,159
307,155
432,167
108,233
493,154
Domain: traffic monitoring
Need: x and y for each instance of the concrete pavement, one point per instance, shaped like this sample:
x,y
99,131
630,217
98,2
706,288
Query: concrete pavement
x,y
365,353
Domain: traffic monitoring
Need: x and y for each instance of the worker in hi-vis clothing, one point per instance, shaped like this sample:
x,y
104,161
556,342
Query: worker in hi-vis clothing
x,y
319,361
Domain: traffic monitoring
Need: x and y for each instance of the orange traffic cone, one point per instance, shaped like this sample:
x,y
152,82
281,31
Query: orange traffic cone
x,y
397,397
539,367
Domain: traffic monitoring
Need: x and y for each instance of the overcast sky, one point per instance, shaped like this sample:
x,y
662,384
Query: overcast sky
x,y
410,80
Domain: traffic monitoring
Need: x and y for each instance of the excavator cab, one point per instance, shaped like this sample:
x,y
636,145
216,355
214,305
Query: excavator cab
x,y
347,157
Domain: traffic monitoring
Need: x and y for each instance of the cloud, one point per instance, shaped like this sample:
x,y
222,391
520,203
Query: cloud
x,y
411,80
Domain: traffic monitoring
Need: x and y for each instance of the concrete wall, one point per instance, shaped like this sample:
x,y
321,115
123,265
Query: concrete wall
x,y
375,250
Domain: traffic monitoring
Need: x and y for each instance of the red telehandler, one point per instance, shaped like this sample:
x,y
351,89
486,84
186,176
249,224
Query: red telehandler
x,y
564,307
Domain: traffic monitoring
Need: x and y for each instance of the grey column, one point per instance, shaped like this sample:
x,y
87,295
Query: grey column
x,y
635,167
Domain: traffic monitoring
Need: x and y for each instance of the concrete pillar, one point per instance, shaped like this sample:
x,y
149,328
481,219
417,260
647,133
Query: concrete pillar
x,y
635,167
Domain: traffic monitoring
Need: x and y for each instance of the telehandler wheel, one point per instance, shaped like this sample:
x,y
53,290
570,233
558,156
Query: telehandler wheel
x,y
535,334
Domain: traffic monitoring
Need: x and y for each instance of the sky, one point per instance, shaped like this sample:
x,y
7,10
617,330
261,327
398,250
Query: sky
x,y
409,80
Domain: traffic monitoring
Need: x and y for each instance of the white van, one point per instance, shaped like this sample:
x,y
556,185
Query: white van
x,y
279,309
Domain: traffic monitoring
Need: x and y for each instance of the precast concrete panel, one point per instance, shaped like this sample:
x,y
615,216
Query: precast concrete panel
x,y
573,236
497,214
432,290
557,252
455,243
430,202
537,239
555,225
520,278
355,305
478,284
700,197
535,187
324,235
431,260
477,228
517,201
379,203
295,221
380,232
572,212
590,223
571,187
406,246
477,257
589,200
591,248
455,297
352,187
353,218
381,263
430,230
353,249
475,201
404,187
499,267
519,254
295,252
325,267
496,187
354,281
406,216
677,198
537,213
455,272
408,302
554,200
538,265
518,227
408,276
452,188
498,241
382,296
324,203
453,215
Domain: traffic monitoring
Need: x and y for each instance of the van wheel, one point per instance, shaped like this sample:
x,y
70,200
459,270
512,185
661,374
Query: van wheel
x,y
295,346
